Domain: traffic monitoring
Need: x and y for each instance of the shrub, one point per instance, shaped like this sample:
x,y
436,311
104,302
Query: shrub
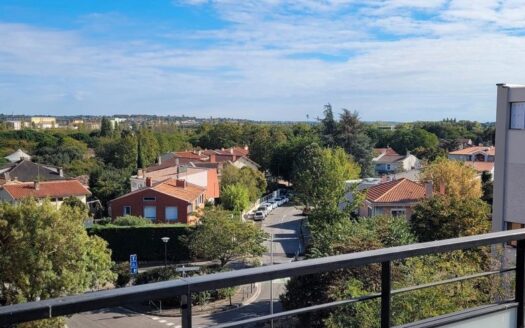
x,y
123,274
145,241
131,221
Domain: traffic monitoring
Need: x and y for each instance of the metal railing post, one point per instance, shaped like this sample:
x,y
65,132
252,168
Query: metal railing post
x,y
520,282
385,294
185,307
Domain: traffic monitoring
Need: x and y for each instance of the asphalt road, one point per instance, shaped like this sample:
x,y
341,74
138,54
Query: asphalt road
x,y
285,225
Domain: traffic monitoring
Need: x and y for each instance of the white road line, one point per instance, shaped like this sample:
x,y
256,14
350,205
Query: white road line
x,y
162,321
154,318
169,324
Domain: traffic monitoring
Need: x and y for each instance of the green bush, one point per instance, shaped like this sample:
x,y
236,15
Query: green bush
x,y
123,274
131,221
145,241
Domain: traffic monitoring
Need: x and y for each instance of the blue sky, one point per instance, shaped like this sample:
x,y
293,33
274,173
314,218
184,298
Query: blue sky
x,y
399,60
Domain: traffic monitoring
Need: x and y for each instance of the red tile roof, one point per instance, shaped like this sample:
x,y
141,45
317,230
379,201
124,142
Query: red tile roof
x,y
396,191
481,166
169,187
476,149
386,151
52,189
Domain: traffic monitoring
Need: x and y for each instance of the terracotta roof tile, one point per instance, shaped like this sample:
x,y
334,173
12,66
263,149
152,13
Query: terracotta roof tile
x,y
402,190
476,149
386,151
481,166
188,193
53,189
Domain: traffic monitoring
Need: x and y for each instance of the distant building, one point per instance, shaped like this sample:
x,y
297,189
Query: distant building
x,y
44,122
18,155
388,161
55,191
480,158
14,125
169,201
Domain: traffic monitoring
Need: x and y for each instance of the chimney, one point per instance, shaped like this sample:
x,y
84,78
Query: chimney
x,y
429,186
37,185
180,183
212,158
231,150
149,182
222,148
480,145
200,152
177,161
61,171
7,177
246,147
159,160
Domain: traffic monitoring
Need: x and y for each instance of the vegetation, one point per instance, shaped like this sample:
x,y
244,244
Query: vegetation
x,y
45,252
222,237
252,181
131,221
235,198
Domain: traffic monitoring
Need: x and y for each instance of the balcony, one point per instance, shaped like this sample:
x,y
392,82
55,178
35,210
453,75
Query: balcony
x,y
506,313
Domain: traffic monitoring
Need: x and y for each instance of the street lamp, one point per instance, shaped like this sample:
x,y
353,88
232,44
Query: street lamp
x,y
165,241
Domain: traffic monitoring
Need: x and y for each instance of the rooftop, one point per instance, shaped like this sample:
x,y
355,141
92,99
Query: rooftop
x,y
52,189
474,150
396,191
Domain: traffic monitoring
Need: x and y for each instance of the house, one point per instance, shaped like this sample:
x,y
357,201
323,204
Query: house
x,y
55,191
474,154
201,176
18,155
27,171
44,122
168,201
396,198
14,125
244,161
388,161
480,158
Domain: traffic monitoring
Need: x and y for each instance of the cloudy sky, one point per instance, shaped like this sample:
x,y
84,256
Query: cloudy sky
x,y
399,60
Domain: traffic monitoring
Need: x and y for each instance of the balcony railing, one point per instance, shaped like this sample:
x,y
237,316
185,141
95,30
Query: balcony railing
x,y
186,286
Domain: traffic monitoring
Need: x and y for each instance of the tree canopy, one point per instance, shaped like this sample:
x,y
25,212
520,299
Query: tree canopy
x,y
45,252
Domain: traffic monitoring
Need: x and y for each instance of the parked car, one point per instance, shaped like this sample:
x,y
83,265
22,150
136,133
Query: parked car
x,y
273,203
259,216
264,208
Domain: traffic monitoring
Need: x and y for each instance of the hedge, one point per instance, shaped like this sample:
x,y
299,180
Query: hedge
x,y
145,241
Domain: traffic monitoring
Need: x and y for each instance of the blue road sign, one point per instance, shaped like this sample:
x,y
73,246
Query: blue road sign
x,y
133,264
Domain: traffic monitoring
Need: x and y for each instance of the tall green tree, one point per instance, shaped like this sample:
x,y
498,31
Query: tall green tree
x,y
222,237
105,128
45,252
235,198
253,180
320,175
328,127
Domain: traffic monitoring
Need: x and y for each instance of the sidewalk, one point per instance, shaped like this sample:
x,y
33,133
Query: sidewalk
x,y
245,294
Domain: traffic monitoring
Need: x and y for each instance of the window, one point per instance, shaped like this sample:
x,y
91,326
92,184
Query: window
x,y
150,212
388,167
517,116
149,199
172,213
398,212
190,208
127,210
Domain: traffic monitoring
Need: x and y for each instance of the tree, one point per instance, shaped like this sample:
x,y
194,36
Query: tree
x,y
352,137
320,175
444,216
121,153
235,198
328,127
224,238
405,139
148,147
107,183
105,128
487,187
253,180
455,177
45,252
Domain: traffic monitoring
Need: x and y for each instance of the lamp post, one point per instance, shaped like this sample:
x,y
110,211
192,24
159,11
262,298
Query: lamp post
x,y
165,241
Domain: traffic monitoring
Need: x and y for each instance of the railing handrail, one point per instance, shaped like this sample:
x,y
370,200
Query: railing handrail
x,y
107,298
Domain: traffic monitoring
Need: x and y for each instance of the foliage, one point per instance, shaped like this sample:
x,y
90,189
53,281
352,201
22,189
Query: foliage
x,y
81,167
253,180
156,275
131,221
224,238
45,252
320,175
442,217
105,128
121,153
147,243
122,270
109,183
235,197
455,177
76,203
487,187
148,148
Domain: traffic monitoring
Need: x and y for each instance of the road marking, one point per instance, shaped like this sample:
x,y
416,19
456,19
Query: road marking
x,y
162,321
154,318
169,324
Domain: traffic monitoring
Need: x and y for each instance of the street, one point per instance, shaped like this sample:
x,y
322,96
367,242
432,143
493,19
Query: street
x,y
284,223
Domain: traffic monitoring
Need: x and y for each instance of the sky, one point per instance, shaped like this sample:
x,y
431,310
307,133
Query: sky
x,y
390,60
